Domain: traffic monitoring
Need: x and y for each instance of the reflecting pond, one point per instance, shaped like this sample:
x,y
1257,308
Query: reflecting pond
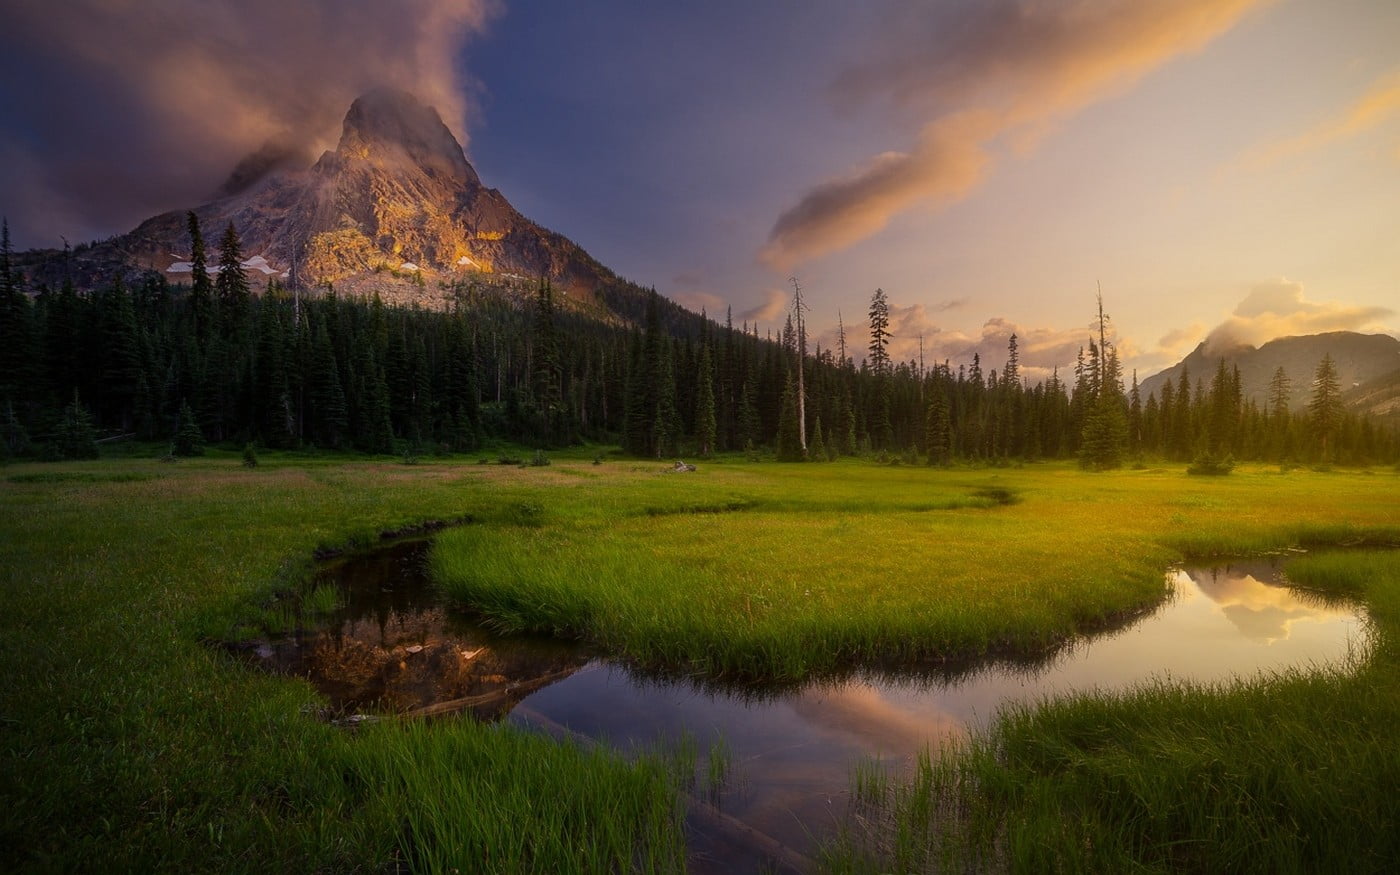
x,y
787,754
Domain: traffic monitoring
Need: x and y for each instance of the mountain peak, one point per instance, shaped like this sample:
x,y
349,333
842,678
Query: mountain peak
x,y
388,126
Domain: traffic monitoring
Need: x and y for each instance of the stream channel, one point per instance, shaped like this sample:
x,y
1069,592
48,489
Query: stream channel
x,y
786,755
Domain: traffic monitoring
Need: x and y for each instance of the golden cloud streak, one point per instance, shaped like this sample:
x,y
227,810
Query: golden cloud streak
x,y
1018,68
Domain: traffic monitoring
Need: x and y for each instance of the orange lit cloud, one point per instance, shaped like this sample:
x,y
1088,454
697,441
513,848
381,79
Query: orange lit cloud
x,y
1005,76
775,302
1178,339
196,87
1373,108
1278,309
711,303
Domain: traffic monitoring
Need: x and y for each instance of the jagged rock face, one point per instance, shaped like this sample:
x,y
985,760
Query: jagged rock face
x,y
396,208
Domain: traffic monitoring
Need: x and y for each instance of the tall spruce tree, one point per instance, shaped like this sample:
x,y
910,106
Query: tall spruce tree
x,y
938,430
231,286
201,289
705,425
789,441
1325,408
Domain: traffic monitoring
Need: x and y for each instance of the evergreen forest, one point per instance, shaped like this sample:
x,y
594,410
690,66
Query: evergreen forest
x,y
212,362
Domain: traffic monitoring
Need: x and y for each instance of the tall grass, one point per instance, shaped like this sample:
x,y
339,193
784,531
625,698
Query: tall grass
x,y
497,800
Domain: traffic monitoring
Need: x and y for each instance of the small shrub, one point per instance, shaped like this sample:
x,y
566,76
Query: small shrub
x,y
189,439
1001,495
598,459
539,460
505,459
1210,465
76,438
250,456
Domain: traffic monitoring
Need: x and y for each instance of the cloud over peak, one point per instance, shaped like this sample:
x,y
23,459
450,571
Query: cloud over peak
x,y
194,88
1277,308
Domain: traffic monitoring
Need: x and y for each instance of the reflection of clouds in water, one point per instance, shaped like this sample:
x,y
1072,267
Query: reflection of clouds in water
x,y
866,714
1262,612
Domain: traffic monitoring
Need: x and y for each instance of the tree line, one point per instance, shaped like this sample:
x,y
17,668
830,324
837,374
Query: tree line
x,y
212,362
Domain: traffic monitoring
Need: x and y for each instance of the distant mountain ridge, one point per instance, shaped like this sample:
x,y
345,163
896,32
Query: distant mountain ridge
x,y
1360,359
396,209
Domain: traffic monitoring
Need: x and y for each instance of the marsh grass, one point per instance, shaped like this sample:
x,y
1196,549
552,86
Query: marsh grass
x,y
127,744
497,800
870,567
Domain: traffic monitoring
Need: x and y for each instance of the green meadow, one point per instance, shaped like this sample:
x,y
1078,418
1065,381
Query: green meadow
x,y
131,743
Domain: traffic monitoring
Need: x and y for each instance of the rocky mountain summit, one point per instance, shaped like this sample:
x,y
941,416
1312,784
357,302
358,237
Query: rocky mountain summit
x,y
396,208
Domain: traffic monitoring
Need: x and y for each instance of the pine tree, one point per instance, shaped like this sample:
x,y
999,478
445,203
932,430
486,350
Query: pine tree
x,y
938,430
330,416
816,452
201,289
189,438
705,426
1280,392
14,438
879,332
748,415
547,371
1135,418
231,287
848,426
1325,408
76,437
1105,434
666,425
1011,374
17,330
789,442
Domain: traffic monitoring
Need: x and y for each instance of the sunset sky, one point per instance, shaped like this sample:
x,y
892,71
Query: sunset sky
x,y
1226,165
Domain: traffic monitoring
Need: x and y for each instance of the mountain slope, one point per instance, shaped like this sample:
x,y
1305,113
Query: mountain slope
x,y
396,208
1378,398
1359,358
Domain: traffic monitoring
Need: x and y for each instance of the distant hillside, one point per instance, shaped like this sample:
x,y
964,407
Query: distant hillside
x,y
1361,360
1378,398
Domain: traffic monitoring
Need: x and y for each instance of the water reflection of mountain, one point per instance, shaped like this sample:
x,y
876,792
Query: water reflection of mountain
x,y
392,647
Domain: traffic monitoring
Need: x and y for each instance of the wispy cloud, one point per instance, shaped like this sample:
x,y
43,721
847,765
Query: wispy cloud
x,y
711,303
1004,72
774,303
1380,103
193,88
1277,308
1178,339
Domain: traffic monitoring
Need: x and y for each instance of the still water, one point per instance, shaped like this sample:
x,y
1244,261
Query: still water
x,y
393,647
